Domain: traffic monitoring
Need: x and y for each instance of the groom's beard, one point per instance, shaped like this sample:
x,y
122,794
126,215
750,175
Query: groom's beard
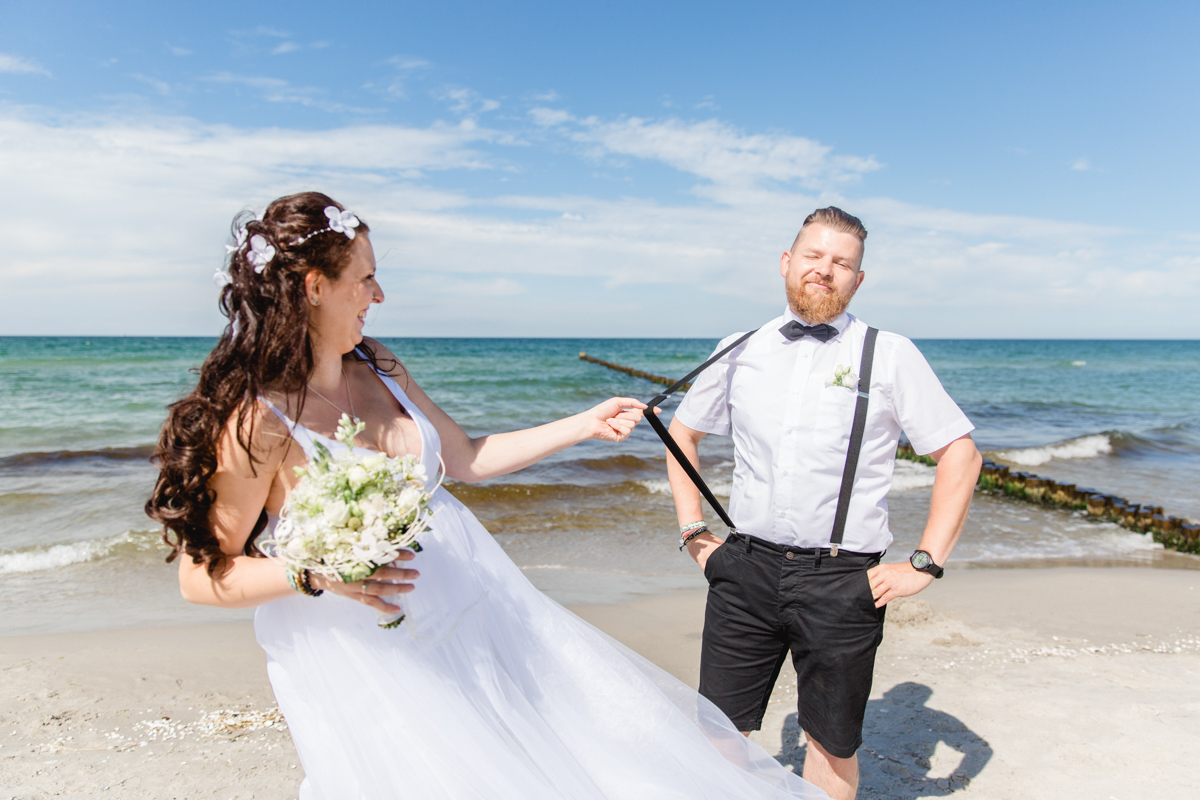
x,y
814,307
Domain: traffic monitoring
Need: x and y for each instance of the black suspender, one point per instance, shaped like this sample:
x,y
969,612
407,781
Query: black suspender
x,y
673,446
856,437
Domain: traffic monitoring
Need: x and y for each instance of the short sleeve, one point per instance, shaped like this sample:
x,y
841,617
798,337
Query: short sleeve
x,y
705,407
927,414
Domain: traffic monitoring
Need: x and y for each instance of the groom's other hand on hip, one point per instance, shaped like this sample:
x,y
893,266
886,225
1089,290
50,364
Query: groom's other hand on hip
x,y
958,466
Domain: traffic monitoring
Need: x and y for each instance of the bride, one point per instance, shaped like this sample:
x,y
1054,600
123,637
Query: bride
x,y
489,689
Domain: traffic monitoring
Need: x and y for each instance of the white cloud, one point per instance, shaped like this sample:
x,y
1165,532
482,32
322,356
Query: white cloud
x,y
121,223
178,51
277,90
161,87
714,151
466,101
549,117
15,65
407,62
1081,165
406,67
291,47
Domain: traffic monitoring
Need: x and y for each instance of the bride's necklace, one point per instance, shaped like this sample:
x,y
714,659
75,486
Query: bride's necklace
x,y
349,396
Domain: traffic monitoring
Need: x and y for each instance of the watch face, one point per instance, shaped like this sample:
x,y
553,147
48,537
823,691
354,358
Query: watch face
x,y
920,560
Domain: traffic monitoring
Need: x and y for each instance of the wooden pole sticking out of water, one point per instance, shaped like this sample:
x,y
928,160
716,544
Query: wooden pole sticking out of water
x,y
637,373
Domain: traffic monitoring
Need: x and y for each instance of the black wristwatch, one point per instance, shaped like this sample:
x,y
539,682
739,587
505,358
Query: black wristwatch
x,y
923,562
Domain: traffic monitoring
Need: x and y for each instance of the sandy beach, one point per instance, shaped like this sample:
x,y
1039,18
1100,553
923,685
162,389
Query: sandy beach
x,y
1056,682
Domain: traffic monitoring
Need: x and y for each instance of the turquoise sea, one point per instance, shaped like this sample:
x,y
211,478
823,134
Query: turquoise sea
x,y
78,418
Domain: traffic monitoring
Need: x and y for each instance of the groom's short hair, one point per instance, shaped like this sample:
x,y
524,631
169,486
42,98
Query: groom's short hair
x,y
833,217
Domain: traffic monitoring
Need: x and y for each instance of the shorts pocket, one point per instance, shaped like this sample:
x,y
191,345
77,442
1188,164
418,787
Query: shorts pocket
x,y
710,565
868,598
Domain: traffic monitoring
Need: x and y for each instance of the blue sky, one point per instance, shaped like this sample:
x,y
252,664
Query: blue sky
x,y
621,169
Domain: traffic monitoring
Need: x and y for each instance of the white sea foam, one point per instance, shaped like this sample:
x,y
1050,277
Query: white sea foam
x,y
60,555
1084,447
911,475
662,486
1128,540
1078,363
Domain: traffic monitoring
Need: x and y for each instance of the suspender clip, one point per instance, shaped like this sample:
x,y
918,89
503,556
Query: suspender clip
x,y
833,550
864,395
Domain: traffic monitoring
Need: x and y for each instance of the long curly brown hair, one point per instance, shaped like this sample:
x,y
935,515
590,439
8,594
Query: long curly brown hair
x,y
265,348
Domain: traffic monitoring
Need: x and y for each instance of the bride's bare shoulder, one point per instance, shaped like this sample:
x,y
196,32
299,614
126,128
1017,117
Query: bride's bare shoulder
x,y
257,429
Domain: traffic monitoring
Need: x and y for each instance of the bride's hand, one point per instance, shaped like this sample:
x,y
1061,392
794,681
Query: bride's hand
x,y
386,581
613,420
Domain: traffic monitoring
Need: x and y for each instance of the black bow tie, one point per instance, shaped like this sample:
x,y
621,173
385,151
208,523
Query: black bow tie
x,y
795,330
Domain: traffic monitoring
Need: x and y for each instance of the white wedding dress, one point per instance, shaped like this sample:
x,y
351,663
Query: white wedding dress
x,y
489,689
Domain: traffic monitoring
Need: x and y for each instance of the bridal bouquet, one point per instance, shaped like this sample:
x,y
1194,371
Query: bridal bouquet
x,y
351,514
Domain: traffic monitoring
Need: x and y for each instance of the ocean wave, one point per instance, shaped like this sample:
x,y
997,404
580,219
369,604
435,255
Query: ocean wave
x,y
624,461
1090,446
38,559
911,475
26,461
662,486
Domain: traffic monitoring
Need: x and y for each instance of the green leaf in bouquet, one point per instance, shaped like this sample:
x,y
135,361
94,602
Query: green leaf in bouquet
x,y
359,572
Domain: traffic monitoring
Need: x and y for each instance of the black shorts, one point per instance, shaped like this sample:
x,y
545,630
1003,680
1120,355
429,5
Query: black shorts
x,y
766,599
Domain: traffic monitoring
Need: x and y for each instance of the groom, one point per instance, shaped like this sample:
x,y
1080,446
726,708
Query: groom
x,y
800,573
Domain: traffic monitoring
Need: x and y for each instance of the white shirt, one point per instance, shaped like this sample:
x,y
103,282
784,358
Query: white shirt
x,y
791,429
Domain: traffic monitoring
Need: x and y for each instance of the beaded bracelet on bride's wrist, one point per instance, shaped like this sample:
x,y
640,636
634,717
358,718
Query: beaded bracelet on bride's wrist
x,y
300,581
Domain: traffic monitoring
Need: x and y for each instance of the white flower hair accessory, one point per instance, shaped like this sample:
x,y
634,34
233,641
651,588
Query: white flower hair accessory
x,y
239,239
222,278
339,222
260,253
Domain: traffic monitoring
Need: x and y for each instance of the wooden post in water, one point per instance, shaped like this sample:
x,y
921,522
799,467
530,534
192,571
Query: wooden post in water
x,y
637,373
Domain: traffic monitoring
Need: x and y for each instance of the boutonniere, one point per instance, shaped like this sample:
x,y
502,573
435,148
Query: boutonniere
x,y
842,376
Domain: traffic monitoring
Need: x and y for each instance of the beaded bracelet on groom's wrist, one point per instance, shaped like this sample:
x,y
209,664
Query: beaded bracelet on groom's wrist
x,y
691,531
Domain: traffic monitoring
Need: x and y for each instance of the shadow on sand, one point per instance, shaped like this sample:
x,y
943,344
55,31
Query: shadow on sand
x,y
900,758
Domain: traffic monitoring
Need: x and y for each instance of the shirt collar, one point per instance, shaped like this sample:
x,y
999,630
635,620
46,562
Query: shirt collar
x,y
842,321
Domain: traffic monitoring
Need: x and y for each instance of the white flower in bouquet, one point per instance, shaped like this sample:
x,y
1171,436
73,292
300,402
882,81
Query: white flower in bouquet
x,y
351,514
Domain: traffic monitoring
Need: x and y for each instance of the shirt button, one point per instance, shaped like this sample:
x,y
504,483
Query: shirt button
x,y
786,473
789,555
782,514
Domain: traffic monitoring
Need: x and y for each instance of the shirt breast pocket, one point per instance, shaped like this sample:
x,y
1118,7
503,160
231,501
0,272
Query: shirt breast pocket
x,y
835,415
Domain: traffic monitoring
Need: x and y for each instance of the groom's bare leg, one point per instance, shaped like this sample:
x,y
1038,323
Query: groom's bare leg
x,y
837,776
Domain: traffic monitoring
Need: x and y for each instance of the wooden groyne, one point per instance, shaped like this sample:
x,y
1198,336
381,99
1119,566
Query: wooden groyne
x,y
637,373
995,478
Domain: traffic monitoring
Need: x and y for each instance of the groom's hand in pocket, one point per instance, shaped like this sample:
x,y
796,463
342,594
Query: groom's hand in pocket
x,y
889,581
702,547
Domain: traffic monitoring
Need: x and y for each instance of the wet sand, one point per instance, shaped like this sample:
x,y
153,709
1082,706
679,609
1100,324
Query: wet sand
x,y
991,684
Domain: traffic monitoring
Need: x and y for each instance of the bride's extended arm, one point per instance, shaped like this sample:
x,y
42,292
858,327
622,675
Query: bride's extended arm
x,y
476,459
